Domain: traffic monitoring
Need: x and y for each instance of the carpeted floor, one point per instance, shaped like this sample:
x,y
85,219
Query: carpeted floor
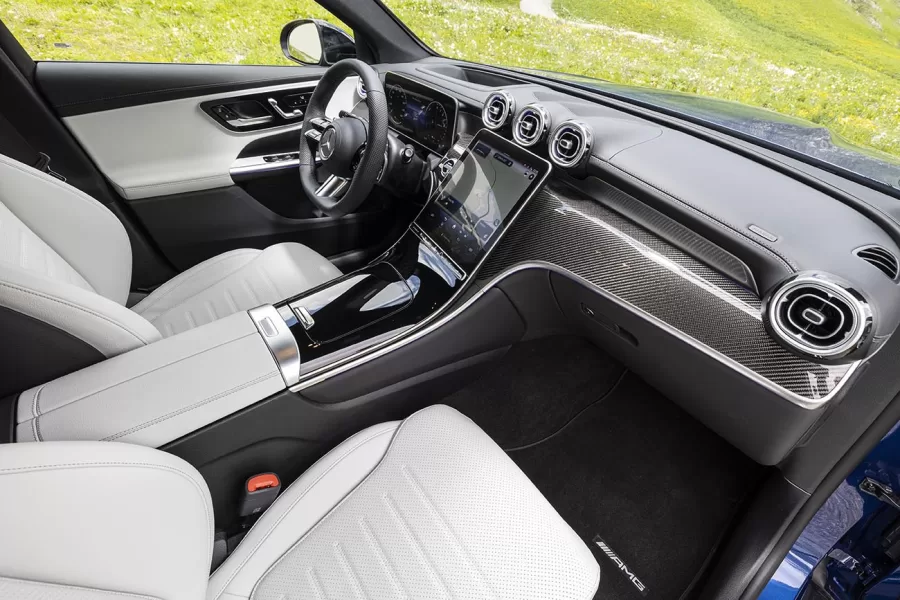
x,y
617,460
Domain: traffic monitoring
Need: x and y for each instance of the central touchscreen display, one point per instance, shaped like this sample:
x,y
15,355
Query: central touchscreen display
x,y
485,189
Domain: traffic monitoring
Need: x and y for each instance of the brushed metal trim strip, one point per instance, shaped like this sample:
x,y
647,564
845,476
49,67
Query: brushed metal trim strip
x,y
257,164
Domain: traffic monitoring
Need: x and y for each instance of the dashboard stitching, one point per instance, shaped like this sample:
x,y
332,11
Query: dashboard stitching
x,y
724,225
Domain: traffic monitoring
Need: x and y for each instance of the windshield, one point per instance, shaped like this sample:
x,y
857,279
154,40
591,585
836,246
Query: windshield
x,y
831,65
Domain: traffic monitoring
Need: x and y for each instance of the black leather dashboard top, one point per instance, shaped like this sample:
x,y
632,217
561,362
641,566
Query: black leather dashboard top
x,y
721,195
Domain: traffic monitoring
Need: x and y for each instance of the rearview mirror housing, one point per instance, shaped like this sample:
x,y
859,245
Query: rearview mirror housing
x,y
316,42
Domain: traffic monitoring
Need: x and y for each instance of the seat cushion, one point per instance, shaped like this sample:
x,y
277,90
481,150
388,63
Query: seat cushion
x,y
427,508
231,282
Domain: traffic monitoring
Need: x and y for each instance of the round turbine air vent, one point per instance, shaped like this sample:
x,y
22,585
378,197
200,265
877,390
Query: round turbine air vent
x,y
360,88
819,317
570,144
531,125
498,108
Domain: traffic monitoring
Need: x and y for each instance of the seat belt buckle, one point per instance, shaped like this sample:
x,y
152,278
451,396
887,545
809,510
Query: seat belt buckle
x,y
259,493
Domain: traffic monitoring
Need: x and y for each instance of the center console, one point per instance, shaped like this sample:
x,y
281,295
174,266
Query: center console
x,y
432,262
171,388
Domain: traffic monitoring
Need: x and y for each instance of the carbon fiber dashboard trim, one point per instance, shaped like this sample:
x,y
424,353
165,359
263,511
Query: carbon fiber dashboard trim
x,y
564,227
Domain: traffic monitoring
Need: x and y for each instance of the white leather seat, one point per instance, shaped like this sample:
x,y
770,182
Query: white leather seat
x,y
423,509
234,281
65,274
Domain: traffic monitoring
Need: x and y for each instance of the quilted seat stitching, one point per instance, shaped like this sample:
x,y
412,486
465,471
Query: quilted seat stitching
x,y
423,495
295,502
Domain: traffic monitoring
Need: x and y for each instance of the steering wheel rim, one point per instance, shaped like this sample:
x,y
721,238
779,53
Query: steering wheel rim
x,y
365,176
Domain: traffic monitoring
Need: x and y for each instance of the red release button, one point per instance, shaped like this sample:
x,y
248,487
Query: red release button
x,y
259,482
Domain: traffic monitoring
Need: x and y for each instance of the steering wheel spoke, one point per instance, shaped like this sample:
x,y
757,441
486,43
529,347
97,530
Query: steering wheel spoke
x,y
334,187
335,143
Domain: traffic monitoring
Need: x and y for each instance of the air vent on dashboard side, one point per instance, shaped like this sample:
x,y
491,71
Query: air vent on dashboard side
x,y
498,108
531,125
360,88
819,317
880,258
570,144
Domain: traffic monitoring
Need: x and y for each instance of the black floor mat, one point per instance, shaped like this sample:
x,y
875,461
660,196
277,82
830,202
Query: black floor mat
x,y
537,388
658,487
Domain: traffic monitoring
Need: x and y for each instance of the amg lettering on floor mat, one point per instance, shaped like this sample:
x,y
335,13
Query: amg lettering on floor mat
x,y
620,565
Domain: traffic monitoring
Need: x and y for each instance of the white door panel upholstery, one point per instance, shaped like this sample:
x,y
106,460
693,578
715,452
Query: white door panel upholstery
x,y
92,521
443,514
234,281
156,394
173,147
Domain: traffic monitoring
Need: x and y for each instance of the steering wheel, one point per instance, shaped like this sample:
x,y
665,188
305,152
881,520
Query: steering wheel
x,y
342,143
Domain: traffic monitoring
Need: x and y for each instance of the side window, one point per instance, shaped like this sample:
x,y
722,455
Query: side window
x,y
158,31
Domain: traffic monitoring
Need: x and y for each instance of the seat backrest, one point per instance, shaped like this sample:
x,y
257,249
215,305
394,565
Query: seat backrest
x,y
65,273
102,521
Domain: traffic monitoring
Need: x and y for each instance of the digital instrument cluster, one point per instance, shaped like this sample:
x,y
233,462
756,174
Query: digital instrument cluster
x,y
421,113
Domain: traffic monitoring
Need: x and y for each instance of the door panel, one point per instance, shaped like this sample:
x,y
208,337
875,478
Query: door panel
x,y
75,88
192,227
171,140
169,147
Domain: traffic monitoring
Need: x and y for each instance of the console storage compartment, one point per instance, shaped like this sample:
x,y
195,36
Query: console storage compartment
x,y
158,393
349,304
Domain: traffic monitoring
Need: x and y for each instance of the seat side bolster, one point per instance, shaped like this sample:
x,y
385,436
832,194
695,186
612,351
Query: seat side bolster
x,y
299,508
81,230
101,323
101,517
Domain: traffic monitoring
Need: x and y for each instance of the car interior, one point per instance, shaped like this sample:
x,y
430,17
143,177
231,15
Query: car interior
x,y
547,344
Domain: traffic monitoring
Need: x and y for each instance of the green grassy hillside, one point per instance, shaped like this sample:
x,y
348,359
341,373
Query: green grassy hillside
x,y
833,62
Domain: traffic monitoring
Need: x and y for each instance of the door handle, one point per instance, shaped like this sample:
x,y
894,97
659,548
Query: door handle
x,y
294,114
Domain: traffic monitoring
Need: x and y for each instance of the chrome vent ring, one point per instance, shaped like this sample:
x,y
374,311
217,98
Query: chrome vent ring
x,y
361,88
570,144
531,125
819,317
497,110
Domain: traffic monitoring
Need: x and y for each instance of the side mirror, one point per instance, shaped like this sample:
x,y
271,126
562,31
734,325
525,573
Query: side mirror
x,y
315,42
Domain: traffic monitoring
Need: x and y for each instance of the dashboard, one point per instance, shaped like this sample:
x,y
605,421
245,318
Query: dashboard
x,y
672,251
421,113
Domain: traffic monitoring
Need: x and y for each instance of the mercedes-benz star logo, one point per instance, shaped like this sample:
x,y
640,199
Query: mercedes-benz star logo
x,y
326,144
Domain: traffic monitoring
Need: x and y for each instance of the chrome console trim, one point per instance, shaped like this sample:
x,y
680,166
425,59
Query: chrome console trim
x,y
278,337
621,258
429,325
